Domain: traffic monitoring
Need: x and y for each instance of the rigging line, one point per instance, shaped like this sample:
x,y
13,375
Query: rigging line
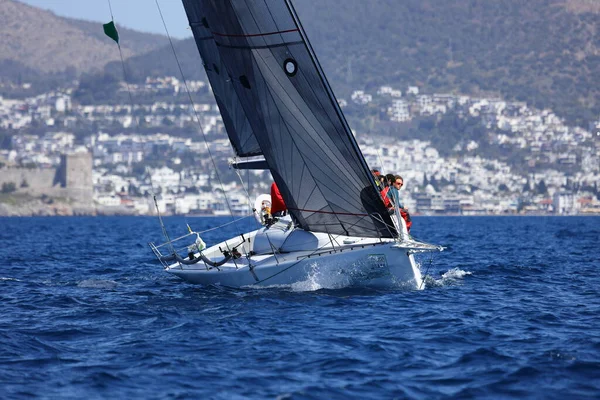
x,y
124,71
237,172
427,270
248,179
162,225
249,190
111,12
329,212
196,115
220,226
164,230
379,158
137,123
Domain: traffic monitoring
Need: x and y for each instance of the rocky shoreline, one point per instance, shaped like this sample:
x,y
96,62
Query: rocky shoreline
x,y
27,206
38,208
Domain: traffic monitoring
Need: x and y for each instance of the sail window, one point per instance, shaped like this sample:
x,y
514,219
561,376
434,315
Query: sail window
x,y
290,66
244,81
205,22
215,68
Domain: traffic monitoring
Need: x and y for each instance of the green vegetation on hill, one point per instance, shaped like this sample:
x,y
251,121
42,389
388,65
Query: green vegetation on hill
x,y
544,52
535,51
48,51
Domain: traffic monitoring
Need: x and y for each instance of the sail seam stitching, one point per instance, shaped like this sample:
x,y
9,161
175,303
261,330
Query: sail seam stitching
x,y
253,34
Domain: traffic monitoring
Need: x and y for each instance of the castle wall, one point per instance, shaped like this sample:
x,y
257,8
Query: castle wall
x,y
72,179
38,178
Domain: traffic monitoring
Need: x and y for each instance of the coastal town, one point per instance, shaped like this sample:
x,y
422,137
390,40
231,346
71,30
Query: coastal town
x,y
528,161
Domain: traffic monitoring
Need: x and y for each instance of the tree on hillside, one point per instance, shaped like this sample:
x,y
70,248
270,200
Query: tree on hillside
x,y
541,187
8,187
433,182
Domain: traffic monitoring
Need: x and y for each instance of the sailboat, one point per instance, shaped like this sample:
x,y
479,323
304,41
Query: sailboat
x,y
280,114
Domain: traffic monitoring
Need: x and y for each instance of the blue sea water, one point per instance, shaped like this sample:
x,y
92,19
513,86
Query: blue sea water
x,y
511,309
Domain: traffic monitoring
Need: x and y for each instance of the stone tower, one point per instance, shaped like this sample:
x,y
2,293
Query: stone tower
x,y
75,175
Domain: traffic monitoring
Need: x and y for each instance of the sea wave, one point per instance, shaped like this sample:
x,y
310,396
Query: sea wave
x,y
519,319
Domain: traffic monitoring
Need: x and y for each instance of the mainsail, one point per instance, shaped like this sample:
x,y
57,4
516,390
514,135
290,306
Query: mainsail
x,y
234,118
294,116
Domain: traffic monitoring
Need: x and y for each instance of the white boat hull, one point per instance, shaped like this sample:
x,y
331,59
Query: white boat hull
x,y
372,264
278,255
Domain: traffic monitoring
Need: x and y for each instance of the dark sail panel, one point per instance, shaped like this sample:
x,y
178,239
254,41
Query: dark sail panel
x,y
236,124
303,135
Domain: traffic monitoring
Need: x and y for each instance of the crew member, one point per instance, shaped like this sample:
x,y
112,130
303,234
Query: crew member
x,y
278,208
394,196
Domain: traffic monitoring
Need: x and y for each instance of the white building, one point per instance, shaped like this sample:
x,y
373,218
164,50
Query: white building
x,y
399,111
360,97
565,203
413,90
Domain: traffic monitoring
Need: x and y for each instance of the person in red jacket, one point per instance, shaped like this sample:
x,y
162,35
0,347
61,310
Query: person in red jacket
x,y
385,198
392,196
278,208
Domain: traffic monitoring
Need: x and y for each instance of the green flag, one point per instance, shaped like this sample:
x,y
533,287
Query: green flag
x,y
111,31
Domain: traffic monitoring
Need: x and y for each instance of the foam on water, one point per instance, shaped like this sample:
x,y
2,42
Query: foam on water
x,y
321,278
98,284
450,277
9,279
317,279
455,273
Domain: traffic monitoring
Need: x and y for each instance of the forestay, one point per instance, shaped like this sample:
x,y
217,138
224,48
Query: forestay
x,y
234,118
299,127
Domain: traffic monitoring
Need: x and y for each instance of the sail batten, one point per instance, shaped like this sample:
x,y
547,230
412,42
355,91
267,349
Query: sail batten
x,y
293,116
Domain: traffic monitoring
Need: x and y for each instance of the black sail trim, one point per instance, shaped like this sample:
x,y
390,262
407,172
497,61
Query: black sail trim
x,y
267,46
254,34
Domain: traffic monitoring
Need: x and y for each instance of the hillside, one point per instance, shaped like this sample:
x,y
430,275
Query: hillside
x,y
37,44
545,52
